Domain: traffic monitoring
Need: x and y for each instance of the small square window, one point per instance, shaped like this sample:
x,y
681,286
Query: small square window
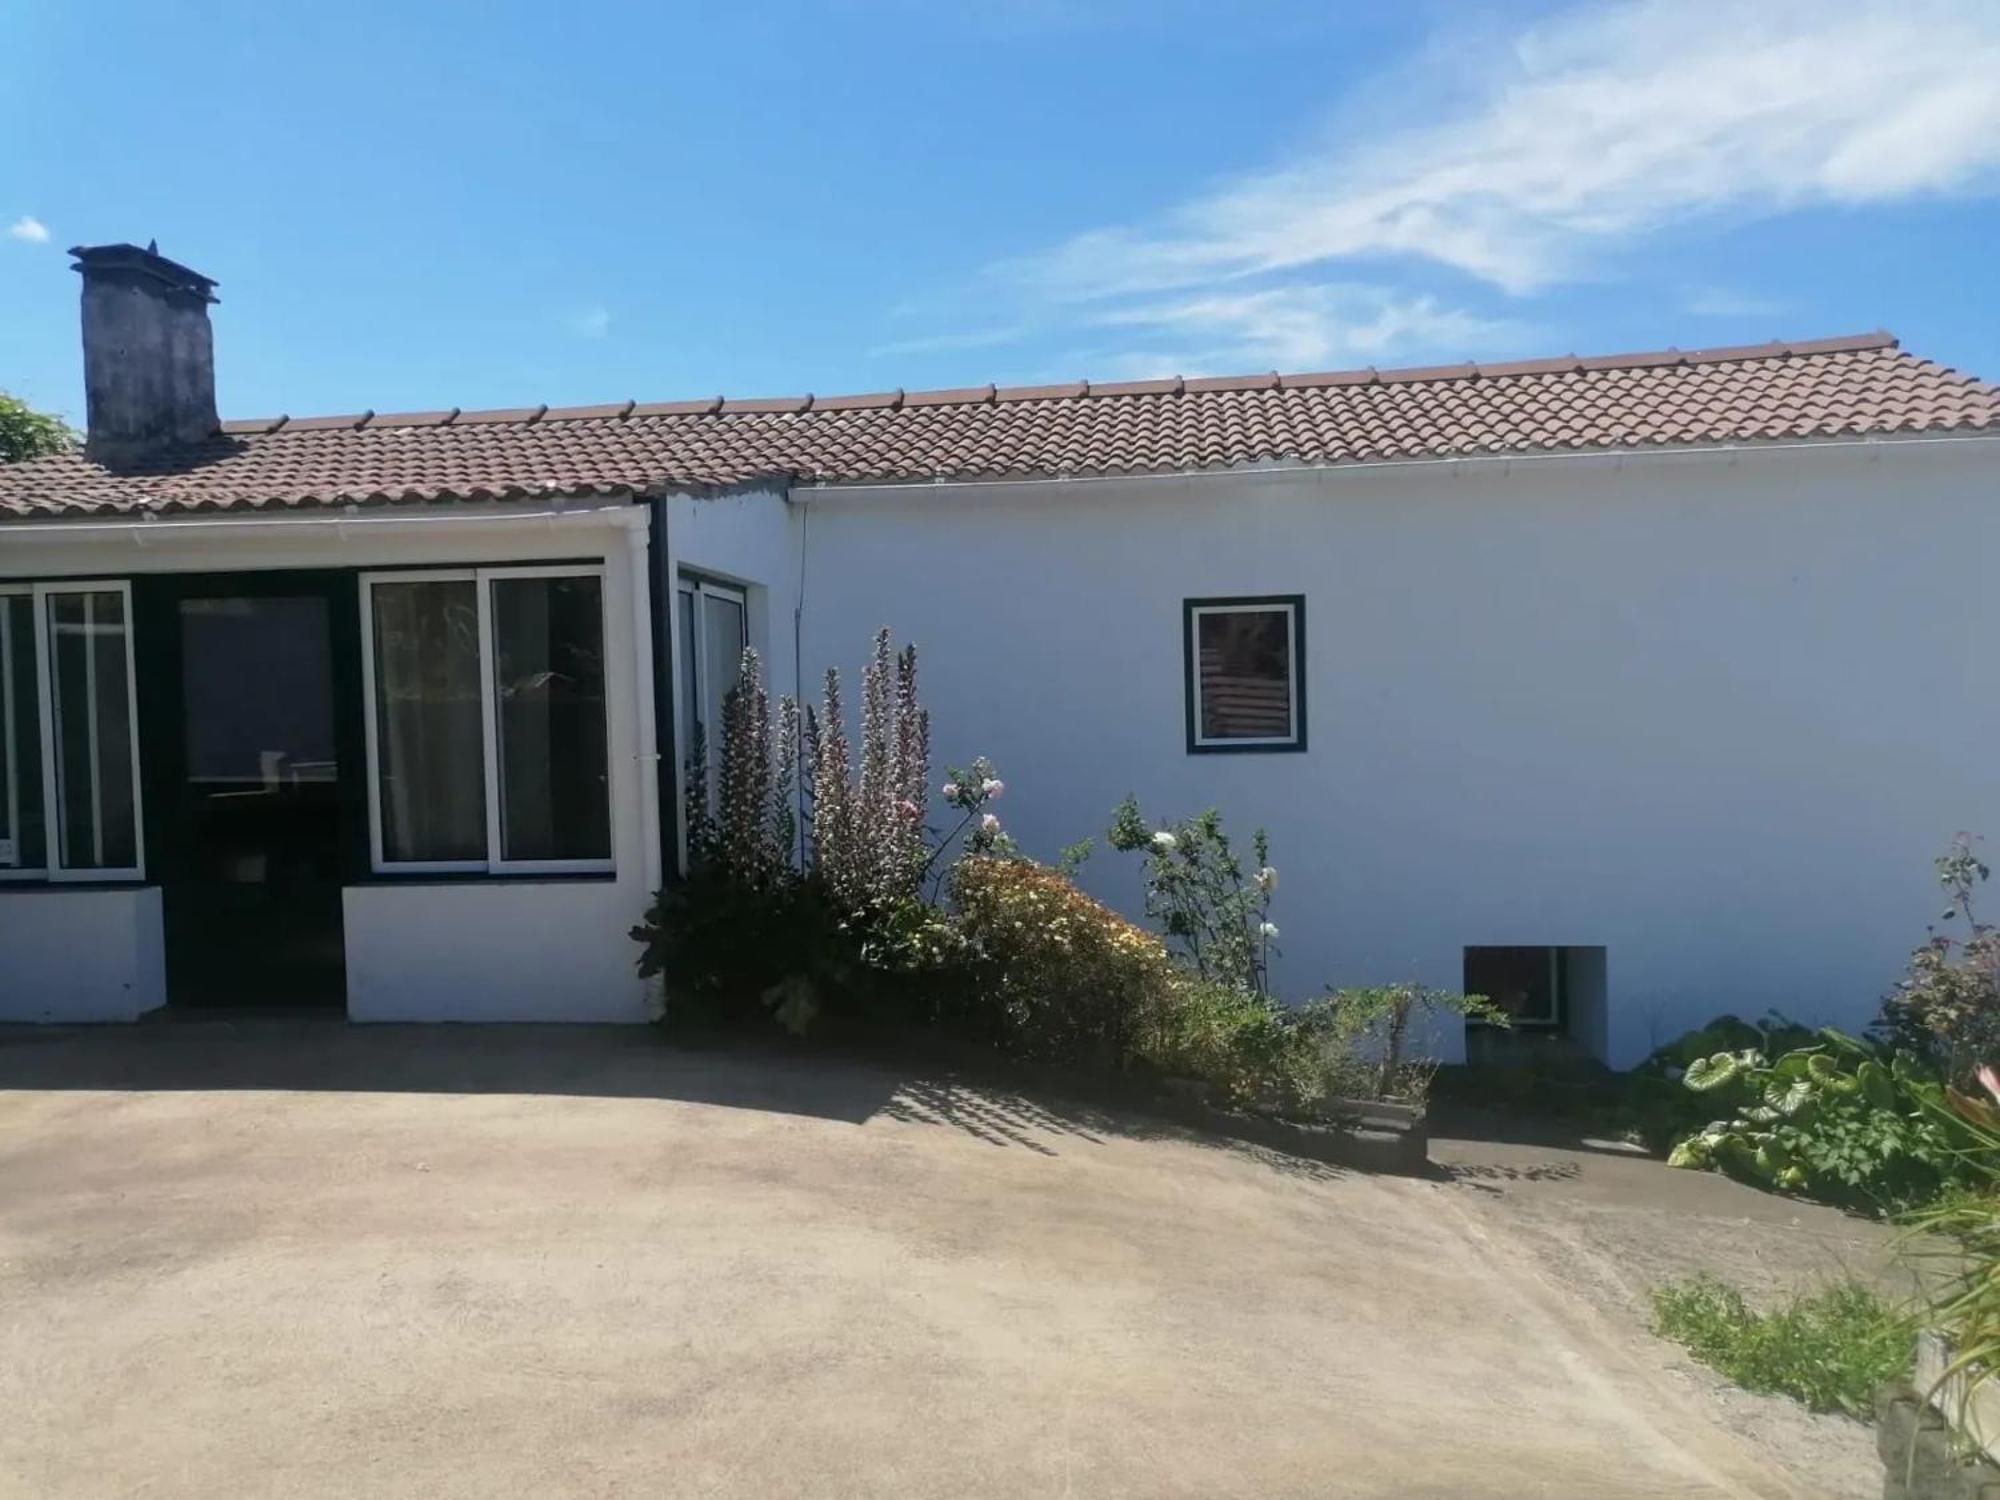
x,y
1245,662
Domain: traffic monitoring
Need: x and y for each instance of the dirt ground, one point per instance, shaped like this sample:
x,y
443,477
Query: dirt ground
x,y
306,1259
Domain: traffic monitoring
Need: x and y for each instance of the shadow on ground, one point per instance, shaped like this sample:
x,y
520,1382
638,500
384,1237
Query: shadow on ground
x,y
327,1054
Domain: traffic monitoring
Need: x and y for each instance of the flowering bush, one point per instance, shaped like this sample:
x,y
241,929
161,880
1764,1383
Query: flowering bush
x,y
1947,1007
813,883
1056,976
1218,916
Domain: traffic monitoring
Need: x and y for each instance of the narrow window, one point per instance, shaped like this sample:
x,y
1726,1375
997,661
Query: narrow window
x,y
714,630
1526,984
488,730
23,849
69,751
548,693
1245,673
430,756
95,765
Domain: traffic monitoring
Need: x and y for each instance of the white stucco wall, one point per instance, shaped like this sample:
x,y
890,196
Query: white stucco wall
x,y
1714,713
417,948
80,954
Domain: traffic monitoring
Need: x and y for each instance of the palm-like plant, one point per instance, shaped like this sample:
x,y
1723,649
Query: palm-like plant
x,y
1960,1238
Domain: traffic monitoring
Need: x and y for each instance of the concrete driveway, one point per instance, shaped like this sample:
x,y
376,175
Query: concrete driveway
x,y
291,1259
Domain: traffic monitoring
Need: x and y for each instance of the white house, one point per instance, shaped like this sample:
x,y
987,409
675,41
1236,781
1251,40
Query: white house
x,y
1634,689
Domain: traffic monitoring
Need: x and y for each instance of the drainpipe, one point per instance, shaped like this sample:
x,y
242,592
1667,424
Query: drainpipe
x,y
635,523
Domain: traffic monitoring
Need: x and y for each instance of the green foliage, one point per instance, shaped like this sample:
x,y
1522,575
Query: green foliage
x,y
1837,1121
1955,1243
1217,917
1055,976
804,901
1829,1349
1363,1037
27,433
1947,1006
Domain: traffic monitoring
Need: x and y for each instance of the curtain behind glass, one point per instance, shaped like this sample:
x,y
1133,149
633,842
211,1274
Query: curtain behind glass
x,y
21,842
96,821
432,744
548,694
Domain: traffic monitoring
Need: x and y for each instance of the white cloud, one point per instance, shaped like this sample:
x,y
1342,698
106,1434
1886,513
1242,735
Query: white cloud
x,y
1726,302
1302,328
1589,130
939,343
591,322
28,229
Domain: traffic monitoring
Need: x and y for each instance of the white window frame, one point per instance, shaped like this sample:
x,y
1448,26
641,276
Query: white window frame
x,y
52,869
1294,672
482,580
695,656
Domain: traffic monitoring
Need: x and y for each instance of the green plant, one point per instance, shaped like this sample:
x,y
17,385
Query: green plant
x,y
1246,1048
1836,1121
805,898
1361,1037
27,433
1653,1106
1956,1244
1055,976
1947,1006
1218,917
1829,1349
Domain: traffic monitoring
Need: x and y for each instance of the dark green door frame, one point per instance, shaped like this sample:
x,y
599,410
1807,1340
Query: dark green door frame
x,y
156,598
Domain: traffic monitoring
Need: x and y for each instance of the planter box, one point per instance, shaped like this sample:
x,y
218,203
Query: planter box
x,y
1976,1420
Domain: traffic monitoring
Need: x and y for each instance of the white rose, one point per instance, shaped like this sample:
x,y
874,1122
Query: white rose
x,y
1268,878
1269,929
1165,842
990,823
993,786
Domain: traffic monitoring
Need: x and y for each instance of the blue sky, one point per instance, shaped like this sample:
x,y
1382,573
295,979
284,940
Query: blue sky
x,y
417,205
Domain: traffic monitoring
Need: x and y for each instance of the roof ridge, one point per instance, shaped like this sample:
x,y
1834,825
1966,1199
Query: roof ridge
x,y
1068,391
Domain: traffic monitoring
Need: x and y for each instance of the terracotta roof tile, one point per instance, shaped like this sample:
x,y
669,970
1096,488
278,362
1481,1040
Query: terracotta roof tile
x,y
1830,388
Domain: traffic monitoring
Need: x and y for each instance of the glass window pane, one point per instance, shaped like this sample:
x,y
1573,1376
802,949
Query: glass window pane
x,y
723,660
548,694
1245,667
690,725
22,845
98,826
431,742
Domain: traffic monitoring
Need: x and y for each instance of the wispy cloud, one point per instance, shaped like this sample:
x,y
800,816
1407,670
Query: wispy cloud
x,y
28,229
590,322
1727,302
939,343
1302,327
1590,129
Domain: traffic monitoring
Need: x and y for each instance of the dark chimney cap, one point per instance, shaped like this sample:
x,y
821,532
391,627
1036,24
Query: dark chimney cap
x,y
129,262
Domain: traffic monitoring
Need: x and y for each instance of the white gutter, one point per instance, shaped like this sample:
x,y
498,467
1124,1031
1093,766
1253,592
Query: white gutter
x,y
638,557
153,528
1460,463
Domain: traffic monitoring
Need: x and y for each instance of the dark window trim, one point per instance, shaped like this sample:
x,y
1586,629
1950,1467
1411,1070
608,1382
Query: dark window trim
x,y
1558,989
1297,603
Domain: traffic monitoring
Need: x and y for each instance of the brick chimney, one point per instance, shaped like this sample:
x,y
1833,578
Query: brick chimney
x,y
148,353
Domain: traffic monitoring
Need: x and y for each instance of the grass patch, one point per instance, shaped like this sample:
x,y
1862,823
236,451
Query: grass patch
x,y
1829,1349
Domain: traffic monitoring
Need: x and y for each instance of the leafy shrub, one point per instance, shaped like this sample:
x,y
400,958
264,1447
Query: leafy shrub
x,y
806,892
1835,1122
1947,1007
1362,1037
1055,976
27,433
1956,1241
1248,1049
1829,1349
1218,917
1654,1106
